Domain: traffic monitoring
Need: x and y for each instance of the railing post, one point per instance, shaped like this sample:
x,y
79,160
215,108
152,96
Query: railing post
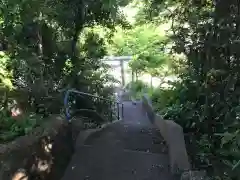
x,y
111,111
118,113
122,111
95,102
67,114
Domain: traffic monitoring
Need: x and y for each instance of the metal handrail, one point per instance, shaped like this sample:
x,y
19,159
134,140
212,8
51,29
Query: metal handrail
x,y
82,94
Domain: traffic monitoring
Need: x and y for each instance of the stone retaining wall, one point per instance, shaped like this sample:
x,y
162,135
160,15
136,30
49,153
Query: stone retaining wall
x,y
174,137
43,154
172,134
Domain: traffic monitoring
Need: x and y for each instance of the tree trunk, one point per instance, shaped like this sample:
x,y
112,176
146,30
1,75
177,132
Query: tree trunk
x,y
151,81
132,76
76,34
78,24
41,89
122,73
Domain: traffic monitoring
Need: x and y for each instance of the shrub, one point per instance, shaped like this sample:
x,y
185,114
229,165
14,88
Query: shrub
x,y
136,86
10,127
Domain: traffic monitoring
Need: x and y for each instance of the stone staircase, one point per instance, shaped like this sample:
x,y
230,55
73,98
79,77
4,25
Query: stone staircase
x,y
142,146
127,150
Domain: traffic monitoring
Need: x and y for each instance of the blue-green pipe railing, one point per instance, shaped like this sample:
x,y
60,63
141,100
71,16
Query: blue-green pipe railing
x,y
83,94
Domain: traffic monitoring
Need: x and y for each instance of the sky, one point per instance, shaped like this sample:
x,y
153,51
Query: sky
x,y
130,12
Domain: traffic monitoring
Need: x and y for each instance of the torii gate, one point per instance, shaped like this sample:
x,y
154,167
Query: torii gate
x,y
121,60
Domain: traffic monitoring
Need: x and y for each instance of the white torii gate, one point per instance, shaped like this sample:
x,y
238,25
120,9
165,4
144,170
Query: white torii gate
x,y
121,60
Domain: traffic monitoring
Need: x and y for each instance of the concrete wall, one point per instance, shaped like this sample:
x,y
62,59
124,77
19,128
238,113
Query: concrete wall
x,y
172,134
174,137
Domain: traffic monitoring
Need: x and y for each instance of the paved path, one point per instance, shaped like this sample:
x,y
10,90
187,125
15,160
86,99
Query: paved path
x,y
130,149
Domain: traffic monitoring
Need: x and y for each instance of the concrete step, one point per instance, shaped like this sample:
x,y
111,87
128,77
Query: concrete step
x,y
112,163
127,136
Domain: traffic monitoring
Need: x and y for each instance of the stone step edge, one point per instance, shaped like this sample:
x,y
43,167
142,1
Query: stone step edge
x,y
83,135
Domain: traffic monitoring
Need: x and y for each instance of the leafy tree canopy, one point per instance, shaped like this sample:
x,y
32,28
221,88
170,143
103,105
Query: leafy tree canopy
x,y
206,101
50,45
145,43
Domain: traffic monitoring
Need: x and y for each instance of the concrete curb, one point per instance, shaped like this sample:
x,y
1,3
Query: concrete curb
x,y
177,150
172,133
82,137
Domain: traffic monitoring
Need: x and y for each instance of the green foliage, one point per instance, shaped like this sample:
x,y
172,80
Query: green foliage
x,y
138,88
47,46
145,44
5,75
206,102
11,127
162,98
154,11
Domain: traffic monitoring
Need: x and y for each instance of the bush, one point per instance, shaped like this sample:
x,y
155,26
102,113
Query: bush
x,y
162,98
137,88
11,127
211,125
